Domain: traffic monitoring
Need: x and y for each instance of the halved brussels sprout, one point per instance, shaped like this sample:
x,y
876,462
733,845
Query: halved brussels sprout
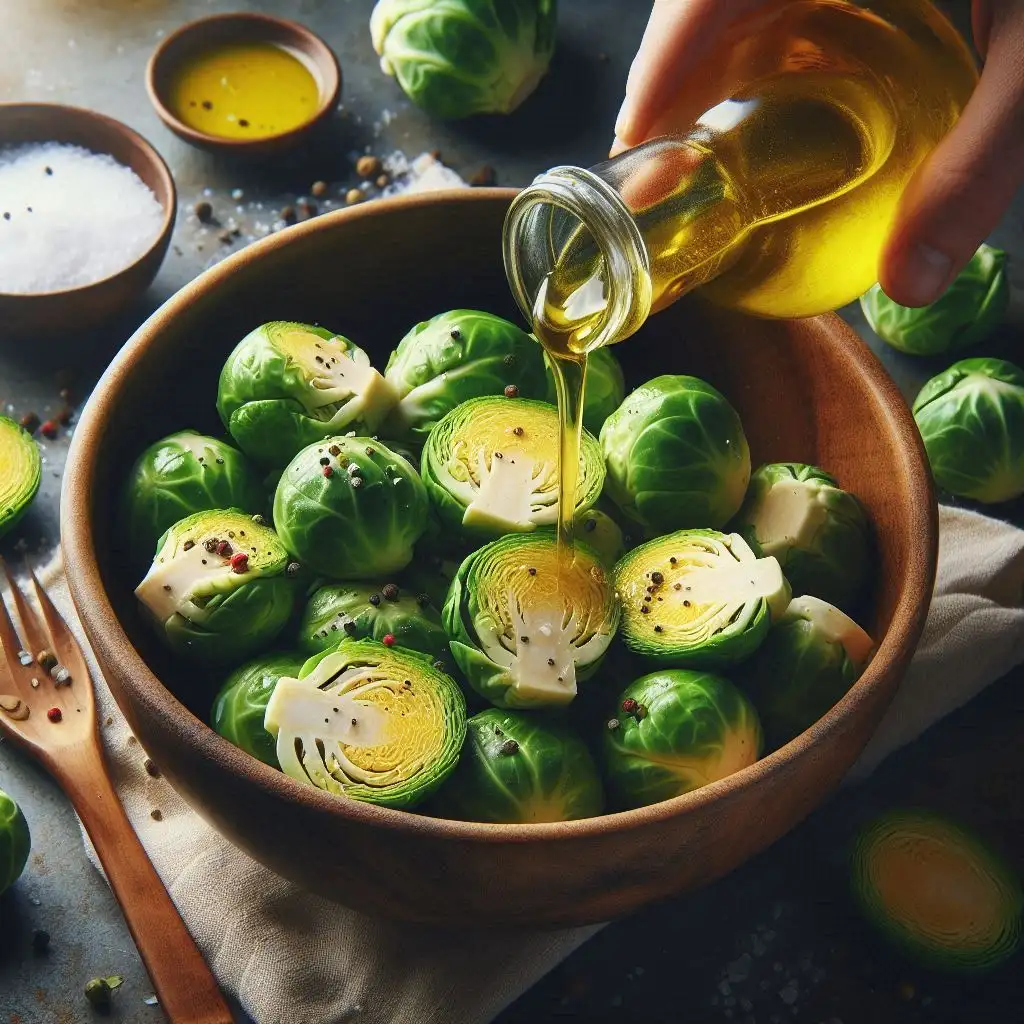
x,y
181,474
288,385
698,598
677,456
808,661
971,419
491,467
515,769
15,842
351,508
366,611
674,731
940,894
817,531
218,588
369,722
603,392
453,357
966,313
521,630
465,57
21,471
241,704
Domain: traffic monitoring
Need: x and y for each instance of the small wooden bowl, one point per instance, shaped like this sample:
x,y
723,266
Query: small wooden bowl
x,y
808,391
46,313
206,34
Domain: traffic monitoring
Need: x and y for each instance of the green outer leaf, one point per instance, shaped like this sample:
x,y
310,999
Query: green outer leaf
x,y
971,419
939,953
433,371
241,704
834,563
551,777
21,471
348,532
603,392
698,729
15,842
967,312
676,455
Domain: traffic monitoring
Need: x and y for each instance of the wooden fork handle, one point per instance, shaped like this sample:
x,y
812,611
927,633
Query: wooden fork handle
x,y
184,984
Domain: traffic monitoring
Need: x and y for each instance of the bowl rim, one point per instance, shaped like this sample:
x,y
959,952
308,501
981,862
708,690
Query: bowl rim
x,y
104,628
276,29
153,157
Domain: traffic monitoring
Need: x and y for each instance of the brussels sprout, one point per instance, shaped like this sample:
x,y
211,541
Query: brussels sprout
x,y
21,471
817,531
677,456
969,310
241,704
808,661
603,392
218,590
698,599
491,467
971,419
522,628
288,385
515,769
369,722
453,357
15,842
368,611
937,892
351,507
674,731
184,473
456,58
430,576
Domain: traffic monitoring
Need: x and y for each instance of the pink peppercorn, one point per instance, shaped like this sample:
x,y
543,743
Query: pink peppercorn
x,y
387,640
240,562
54,714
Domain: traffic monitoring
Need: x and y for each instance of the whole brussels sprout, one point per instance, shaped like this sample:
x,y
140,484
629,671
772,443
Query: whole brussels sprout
x,y
288,385
218,590
491,467
351,507
698,599
603,392
674,731
514,769
524,629
808,661
817,531
971,419
368,611
370,723
15,842
21,472
241,704
184,473
677,456
456,58
967,312
453,357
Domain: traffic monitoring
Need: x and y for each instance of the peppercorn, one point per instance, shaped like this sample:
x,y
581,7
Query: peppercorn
x,y
356,481
354,195
423,600
511,391
293,569
327,472
613,724
629,705
224,549
54,714
240,563
390,592
325,461
259,520
151,769
368,166
46,659
509,747
49,429
318,189
388,640
156,814
334,450
375,600
485,176
382,181
30,422
518,431
350,627
657,578
288,215
203,211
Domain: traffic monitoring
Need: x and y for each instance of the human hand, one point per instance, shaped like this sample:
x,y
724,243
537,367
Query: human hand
x,y
957,195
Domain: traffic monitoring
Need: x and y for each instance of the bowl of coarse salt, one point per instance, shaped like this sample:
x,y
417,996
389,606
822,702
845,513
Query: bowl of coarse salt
x,y
87,207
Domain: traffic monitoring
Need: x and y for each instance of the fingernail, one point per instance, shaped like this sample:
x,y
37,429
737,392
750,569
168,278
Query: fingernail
x,y
925,274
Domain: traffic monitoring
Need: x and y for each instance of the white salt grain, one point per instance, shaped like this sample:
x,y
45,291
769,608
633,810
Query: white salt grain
x,y
69,217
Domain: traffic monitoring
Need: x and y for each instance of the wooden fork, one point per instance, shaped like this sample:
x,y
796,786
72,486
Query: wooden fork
x,y
49,709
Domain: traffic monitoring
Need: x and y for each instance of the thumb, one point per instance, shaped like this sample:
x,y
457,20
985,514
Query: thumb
x,y
961,191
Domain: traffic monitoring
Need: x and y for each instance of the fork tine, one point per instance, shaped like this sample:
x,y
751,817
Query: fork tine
x,y
10,645
34,638
58,628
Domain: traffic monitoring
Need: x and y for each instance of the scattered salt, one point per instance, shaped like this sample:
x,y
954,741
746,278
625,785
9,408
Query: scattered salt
x,y
69,217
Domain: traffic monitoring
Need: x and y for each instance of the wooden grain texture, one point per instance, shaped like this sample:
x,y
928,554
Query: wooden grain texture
x,y
32,316
806,390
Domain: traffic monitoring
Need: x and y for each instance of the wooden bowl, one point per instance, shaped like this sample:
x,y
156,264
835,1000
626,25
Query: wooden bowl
x,y
807,391
207,33
45,313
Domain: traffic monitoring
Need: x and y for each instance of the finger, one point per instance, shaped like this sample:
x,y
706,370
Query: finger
x,y
962,190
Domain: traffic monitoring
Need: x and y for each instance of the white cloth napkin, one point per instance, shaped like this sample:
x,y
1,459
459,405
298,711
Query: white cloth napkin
x,y
293,958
